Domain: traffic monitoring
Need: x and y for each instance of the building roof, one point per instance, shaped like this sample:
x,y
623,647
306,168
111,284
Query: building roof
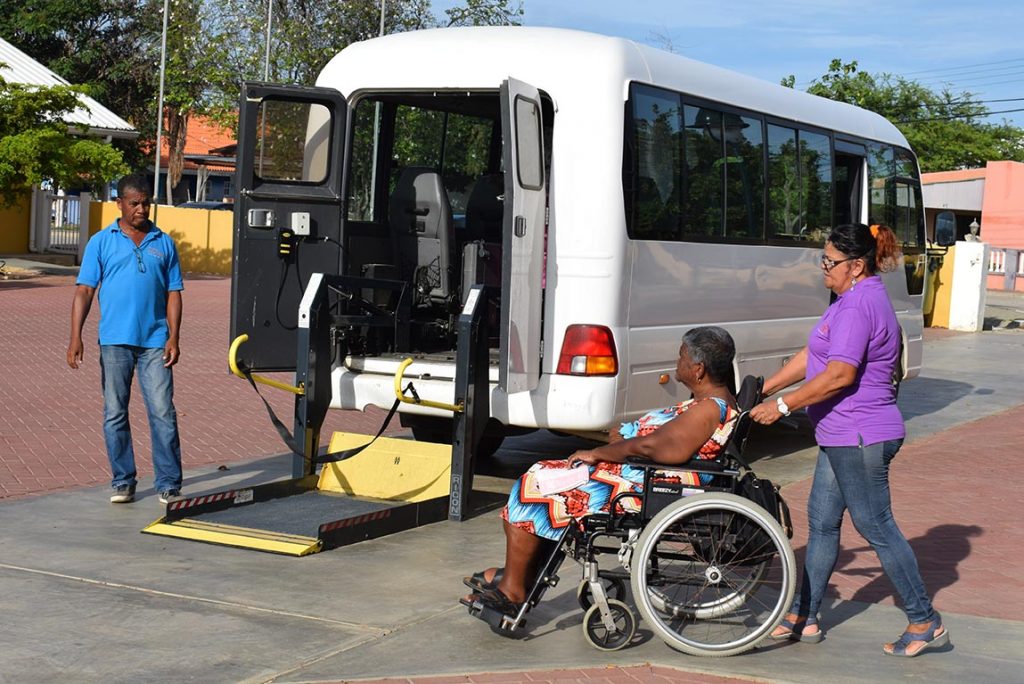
x,y
952,176
207,143
17,67
204,139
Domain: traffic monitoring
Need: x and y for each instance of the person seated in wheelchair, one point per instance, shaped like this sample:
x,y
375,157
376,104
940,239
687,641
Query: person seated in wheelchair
x,y
538,510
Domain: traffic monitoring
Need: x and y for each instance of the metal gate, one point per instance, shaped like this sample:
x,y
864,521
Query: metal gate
x,y
60,223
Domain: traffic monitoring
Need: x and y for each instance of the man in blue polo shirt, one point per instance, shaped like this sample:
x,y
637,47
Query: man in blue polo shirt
x,y
140,316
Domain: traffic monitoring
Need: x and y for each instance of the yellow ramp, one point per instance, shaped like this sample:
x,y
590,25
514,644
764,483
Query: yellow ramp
x,y
392,469
233,535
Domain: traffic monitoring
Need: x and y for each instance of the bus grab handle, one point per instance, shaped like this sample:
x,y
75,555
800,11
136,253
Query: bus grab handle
x,y
233,364
454,408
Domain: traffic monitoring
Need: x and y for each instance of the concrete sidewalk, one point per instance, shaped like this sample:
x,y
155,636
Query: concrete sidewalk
x,y
86,597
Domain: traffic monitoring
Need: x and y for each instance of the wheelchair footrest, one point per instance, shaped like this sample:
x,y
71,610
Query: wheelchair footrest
x,y
500,623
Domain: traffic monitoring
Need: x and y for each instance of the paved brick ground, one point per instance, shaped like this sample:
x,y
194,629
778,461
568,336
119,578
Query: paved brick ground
x,y
51,435
960,518
595,675
957,501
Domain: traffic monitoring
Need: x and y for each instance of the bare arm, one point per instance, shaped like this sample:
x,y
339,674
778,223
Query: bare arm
x,y
837,376
673,443
172,353
792,373
80,306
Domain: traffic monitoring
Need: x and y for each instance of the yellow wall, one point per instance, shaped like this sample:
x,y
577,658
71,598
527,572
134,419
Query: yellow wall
x,y
14,222
937,302
203,237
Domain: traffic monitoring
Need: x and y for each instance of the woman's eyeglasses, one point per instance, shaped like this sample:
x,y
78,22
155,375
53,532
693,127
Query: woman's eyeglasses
x,y
829,264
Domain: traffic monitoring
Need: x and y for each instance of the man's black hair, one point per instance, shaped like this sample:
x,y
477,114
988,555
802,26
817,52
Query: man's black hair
x,y
136,182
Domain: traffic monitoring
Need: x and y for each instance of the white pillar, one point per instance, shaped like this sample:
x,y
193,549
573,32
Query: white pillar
x,y
33,219
970,273
84,201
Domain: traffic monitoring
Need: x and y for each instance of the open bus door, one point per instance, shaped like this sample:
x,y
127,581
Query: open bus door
x,y
288,213
523,236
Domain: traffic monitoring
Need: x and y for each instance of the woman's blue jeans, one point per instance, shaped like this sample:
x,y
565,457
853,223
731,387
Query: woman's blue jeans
x,y
857,478
118,363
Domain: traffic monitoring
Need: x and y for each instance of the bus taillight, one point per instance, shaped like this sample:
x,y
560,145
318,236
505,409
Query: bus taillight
x,y
588,350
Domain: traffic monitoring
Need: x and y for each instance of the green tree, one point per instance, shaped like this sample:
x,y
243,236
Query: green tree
x,y
36,146
105,46
947,130
485,13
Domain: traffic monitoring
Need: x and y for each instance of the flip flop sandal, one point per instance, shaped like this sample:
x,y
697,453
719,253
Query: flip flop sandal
x,y
794,635
930,639
477,583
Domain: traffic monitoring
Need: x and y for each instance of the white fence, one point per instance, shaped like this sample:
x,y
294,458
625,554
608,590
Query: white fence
x,y
60,223
997,261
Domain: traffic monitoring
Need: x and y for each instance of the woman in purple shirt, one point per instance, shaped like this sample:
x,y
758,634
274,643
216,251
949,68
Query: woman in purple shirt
x,y
848,366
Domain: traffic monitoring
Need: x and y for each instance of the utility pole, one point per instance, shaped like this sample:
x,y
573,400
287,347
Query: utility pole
x,y
160,109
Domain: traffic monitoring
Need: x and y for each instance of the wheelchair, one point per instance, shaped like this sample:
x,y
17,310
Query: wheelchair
x,y
711,572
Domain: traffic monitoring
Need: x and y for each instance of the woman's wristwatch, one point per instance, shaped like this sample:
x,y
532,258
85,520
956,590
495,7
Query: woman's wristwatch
x,y
783,407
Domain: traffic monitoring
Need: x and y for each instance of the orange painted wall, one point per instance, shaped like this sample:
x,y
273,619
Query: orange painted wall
x,y
1003,206
204,237
14,226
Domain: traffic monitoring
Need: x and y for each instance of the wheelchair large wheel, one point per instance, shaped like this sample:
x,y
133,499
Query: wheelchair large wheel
x,y
713,574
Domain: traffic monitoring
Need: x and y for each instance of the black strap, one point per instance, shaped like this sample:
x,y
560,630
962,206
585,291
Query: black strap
x,y
349,453
289,439
278,425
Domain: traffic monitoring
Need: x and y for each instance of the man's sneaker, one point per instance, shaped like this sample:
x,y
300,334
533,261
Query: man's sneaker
x,y
170,495
123,494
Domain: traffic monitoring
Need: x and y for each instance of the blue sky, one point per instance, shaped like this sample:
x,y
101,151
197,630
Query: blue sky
x,y
973,45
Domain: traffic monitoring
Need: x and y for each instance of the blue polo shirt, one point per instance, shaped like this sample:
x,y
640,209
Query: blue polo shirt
x,y
135,282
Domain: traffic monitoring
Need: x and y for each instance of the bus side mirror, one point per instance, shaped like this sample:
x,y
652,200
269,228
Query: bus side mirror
x,y
945,229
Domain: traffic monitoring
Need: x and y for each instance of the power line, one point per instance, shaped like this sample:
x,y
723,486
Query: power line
x,y
960,116
972,72
978,81
945,76
970,102
966,66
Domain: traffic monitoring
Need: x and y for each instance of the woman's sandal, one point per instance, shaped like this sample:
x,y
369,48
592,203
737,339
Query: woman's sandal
x,y
793,635
929,637
477,582
495,600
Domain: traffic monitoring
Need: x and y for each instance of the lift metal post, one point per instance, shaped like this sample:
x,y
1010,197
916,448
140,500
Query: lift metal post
x,y
472,390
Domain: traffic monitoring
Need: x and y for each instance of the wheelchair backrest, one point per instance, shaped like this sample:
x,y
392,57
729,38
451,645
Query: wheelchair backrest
x,y
738,439
749,394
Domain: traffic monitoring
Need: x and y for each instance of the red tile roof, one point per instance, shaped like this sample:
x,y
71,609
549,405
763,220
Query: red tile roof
x,y
204,135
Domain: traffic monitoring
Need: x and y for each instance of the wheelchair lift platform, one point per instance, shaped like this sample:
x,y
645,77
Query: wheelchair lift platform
x,y
368,486
393,485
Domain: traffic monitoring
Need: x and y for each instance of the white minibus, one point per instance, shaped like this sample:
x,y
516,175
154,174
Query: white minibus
x,y
611,196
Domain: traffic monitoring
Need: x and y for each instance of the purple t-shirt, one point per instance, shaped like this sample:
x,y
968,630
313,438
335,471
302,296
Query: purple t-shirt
x,y
860,329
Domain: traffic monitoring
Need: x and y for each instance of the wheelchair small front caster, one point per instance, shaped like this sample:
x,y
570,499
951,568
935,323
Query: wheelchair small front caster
x,y
604,639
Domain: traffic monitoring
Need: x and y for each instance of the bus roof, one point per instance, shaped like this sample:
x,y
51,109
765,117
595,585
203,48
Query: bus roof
x,y
569,65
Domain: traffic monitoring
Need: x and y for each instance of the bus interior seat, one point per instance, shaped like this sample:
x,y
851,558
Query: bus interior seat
x,y
485,208
420,219
485,214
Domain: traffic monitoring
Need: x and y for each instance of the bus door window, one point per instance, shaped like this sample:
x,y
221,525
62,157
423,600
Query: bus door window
x,y
849,182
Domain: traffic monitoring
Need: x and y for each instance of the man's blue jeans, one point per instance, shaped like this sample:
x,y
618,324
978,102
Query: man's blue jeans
x,y
118,363
857,478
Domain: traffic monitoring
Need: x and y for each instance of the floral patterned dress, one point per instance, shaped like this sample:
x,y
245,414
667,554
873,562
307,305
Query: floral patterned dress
x,y
547,515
